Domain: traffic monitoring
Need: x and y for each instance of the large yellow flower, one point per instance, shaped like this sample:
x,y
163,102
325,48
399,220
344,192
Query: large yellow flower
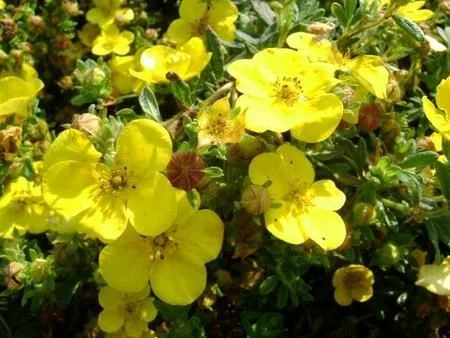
x,y
174,261
111,40
130,312
369,70
302,209
106,11
197,15
282,90
23,208
435,277
353,282
17,95
439,117
187,62
104,198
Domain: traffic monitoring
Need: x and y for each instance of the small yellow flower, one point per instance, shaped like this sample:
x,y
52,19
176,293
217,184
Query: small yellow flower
x,y
413,11
283,91
23,208
353,282
197,15
369,70
174,261
111,40
122,81
88,34
2,4
218,125
435,278
104,198
17,95
130,312
187,62
302,209
106,11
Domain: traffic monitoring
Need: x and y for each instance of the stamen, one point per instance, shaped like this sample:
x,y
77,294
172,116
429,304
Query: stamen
x,y
287,89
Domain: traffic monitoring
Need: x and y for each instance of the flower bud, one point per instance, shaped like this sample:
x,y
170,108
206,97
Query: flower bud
x,y
388,255
369,117
151,34
185,170
320,28
12,275
9,28
66,82
256,199
445,6
36,23
87,123
39,270
364,214
17,55
71,8
10,140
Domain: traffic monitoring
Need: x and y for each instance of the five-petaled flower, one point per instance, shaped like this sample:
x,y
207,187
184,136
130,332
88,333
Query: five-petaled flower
x,y
353,282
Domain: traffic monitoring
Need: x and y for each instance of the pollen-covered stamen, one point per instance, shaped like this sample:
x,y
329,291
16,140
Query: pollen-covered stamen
x,y
131,307
162,246
114,180
287,89
301,196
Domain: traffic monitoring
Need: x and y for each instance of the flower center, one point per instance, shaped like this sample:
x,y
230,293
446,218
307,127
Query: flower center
x,y
114,181
300,196
287,89
118,181
217,128
353,279
199,26
162,246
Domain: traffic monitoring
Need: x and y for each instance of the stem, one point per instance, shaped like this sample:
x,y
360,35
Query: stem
x,y
361,29
396,206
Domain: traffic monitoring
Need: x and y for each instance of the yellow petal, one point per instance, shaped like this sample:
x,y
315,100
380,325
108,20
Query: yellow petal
x,y
362,294
248,78
110,320
152,205
296,167
147,310
283,223
125,266
100,16
195,48
193,10
268,167
275,63
371,72
179,279
318,79
314,47
73,145
143,146
222,10
134,327
327,195
443,95
324,227
201,235
437,118
110,298
338,277
180,31
413,12
343,296
67,193
226,29
435,278
320,119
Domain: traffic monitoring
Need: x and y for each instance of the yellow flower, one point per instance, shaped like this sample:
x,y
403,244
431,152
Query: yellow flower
x,y
2,4
128,311
187,62
369,70
439,117
174,261
218,125
302,209
23,208
413,11
17,95
353,282
104,198
436,278
122,80
88,34
197,15
111,40
282,90
106,11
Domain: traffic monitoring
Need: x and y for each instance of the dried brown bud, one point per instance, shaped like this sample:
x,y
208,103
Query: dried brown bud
x,y
445,6
66,82
17,55
320,28
9,28
71,8
255,199
87,123
425,143
185,170
10,139
12,275
369,117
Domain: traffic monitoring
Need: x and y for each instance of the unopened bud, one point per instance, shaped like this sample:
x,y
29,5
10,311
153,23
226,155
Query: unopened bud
x,y
320,28
445,6
36,23
71,8
39,269
9,28
17,55
12,275
364,214
185,170
151,34
10,140
256,199
88,123
369,117
388,255
66,82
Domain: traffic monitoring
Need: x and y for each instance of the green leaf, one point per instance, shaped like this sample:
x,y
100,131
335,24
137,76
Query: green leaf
x,y
386,216
217,60
28,169
282,296
443,174
433,236
419,160
149,105
264,11
268,285
181,90
350,7
339,13
214,172
410,28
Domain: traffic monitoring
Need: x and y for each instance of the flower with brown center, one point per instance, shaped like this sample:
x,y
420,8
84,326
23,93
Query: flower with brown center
x,y
353,282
